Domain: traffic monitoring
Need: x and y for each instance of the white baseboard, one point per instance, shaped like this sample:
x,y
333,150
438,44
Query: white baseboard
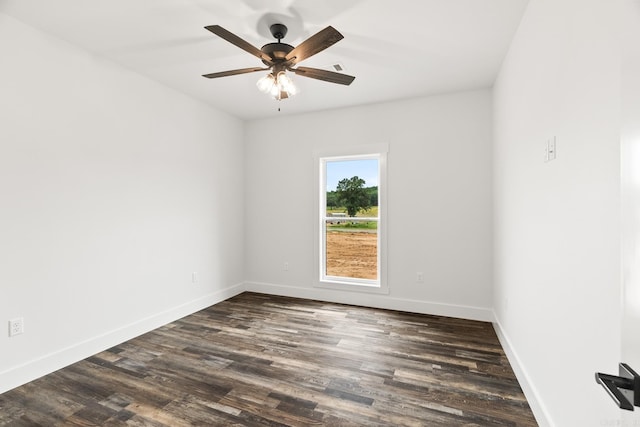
x,y
533,397
374,300
46,364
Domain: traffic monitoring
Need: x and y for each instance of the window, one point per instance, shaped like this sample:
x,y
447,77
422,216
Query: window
x,y
351,218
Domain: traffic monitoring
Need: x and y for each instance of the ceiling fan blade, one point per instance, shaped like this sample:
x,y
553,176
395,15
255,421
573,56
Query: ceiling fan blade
x,y
234,72
235,40
314,44
327,76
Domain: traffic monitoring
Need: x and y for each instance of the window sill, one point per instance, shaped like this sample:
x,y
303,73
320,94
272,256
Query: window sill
x,y
338,285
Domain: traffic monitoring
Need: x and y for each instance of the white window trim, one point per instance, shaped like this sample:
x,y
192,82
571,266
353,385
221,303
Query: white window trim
x,y
379,286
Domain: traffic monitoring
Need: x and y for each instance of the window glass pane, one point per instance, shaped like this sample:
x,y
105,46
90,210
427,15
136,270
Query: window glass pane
x,y
352,187
351,248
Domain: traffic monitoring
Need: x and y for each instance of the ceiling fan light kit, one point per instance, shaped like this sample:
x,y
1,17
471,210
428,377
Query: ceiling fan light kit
x,y
281,57
279,87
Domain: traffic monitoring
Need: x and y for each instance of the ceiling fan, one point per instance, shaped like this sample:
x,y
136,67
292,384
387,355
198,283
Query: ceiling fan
x,y
281,57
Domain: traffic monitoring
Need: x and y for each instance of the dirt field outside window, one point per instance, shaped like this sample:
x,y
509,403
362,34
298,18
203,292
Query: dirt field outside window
x,y
352,254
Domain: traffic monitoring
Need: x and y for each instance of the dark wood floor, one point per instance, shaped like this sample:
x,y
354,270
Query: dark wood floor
x,y
258,360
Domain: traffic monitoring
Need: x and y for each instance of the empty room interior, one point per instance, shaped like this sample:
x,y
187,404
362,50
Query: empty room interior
x,y
145,203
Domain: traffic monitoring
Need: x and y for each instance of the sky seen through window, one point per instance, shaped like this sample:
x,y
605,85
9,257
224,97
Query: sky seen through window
x,y
366,169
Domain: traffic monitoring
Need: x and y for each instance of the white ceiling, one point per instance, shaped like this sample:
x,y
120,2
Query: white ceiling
x,y
396,49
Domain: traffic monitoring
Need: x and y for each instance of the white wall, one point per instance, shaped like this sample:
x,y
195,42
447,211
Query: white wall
x,y
557,224
439,191
113,190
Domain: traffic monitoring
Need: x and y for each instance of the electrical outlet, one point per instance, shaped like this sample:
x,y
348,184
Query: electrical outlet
x,y
552,148
419,277
285,266
16,326
194,277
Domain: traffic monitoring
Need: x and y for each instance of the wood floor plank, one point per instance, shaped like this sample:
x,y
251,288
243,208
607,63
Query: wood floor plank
x,y
260,360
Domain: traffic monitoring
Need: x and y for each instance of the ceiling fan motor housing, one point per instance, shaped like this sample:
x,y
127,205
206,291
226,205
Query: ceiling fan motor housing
x,y
277,51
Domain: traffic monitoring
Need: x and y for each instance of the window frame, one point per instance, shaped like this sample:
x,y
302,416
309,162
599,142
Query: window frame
x,y
321,280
